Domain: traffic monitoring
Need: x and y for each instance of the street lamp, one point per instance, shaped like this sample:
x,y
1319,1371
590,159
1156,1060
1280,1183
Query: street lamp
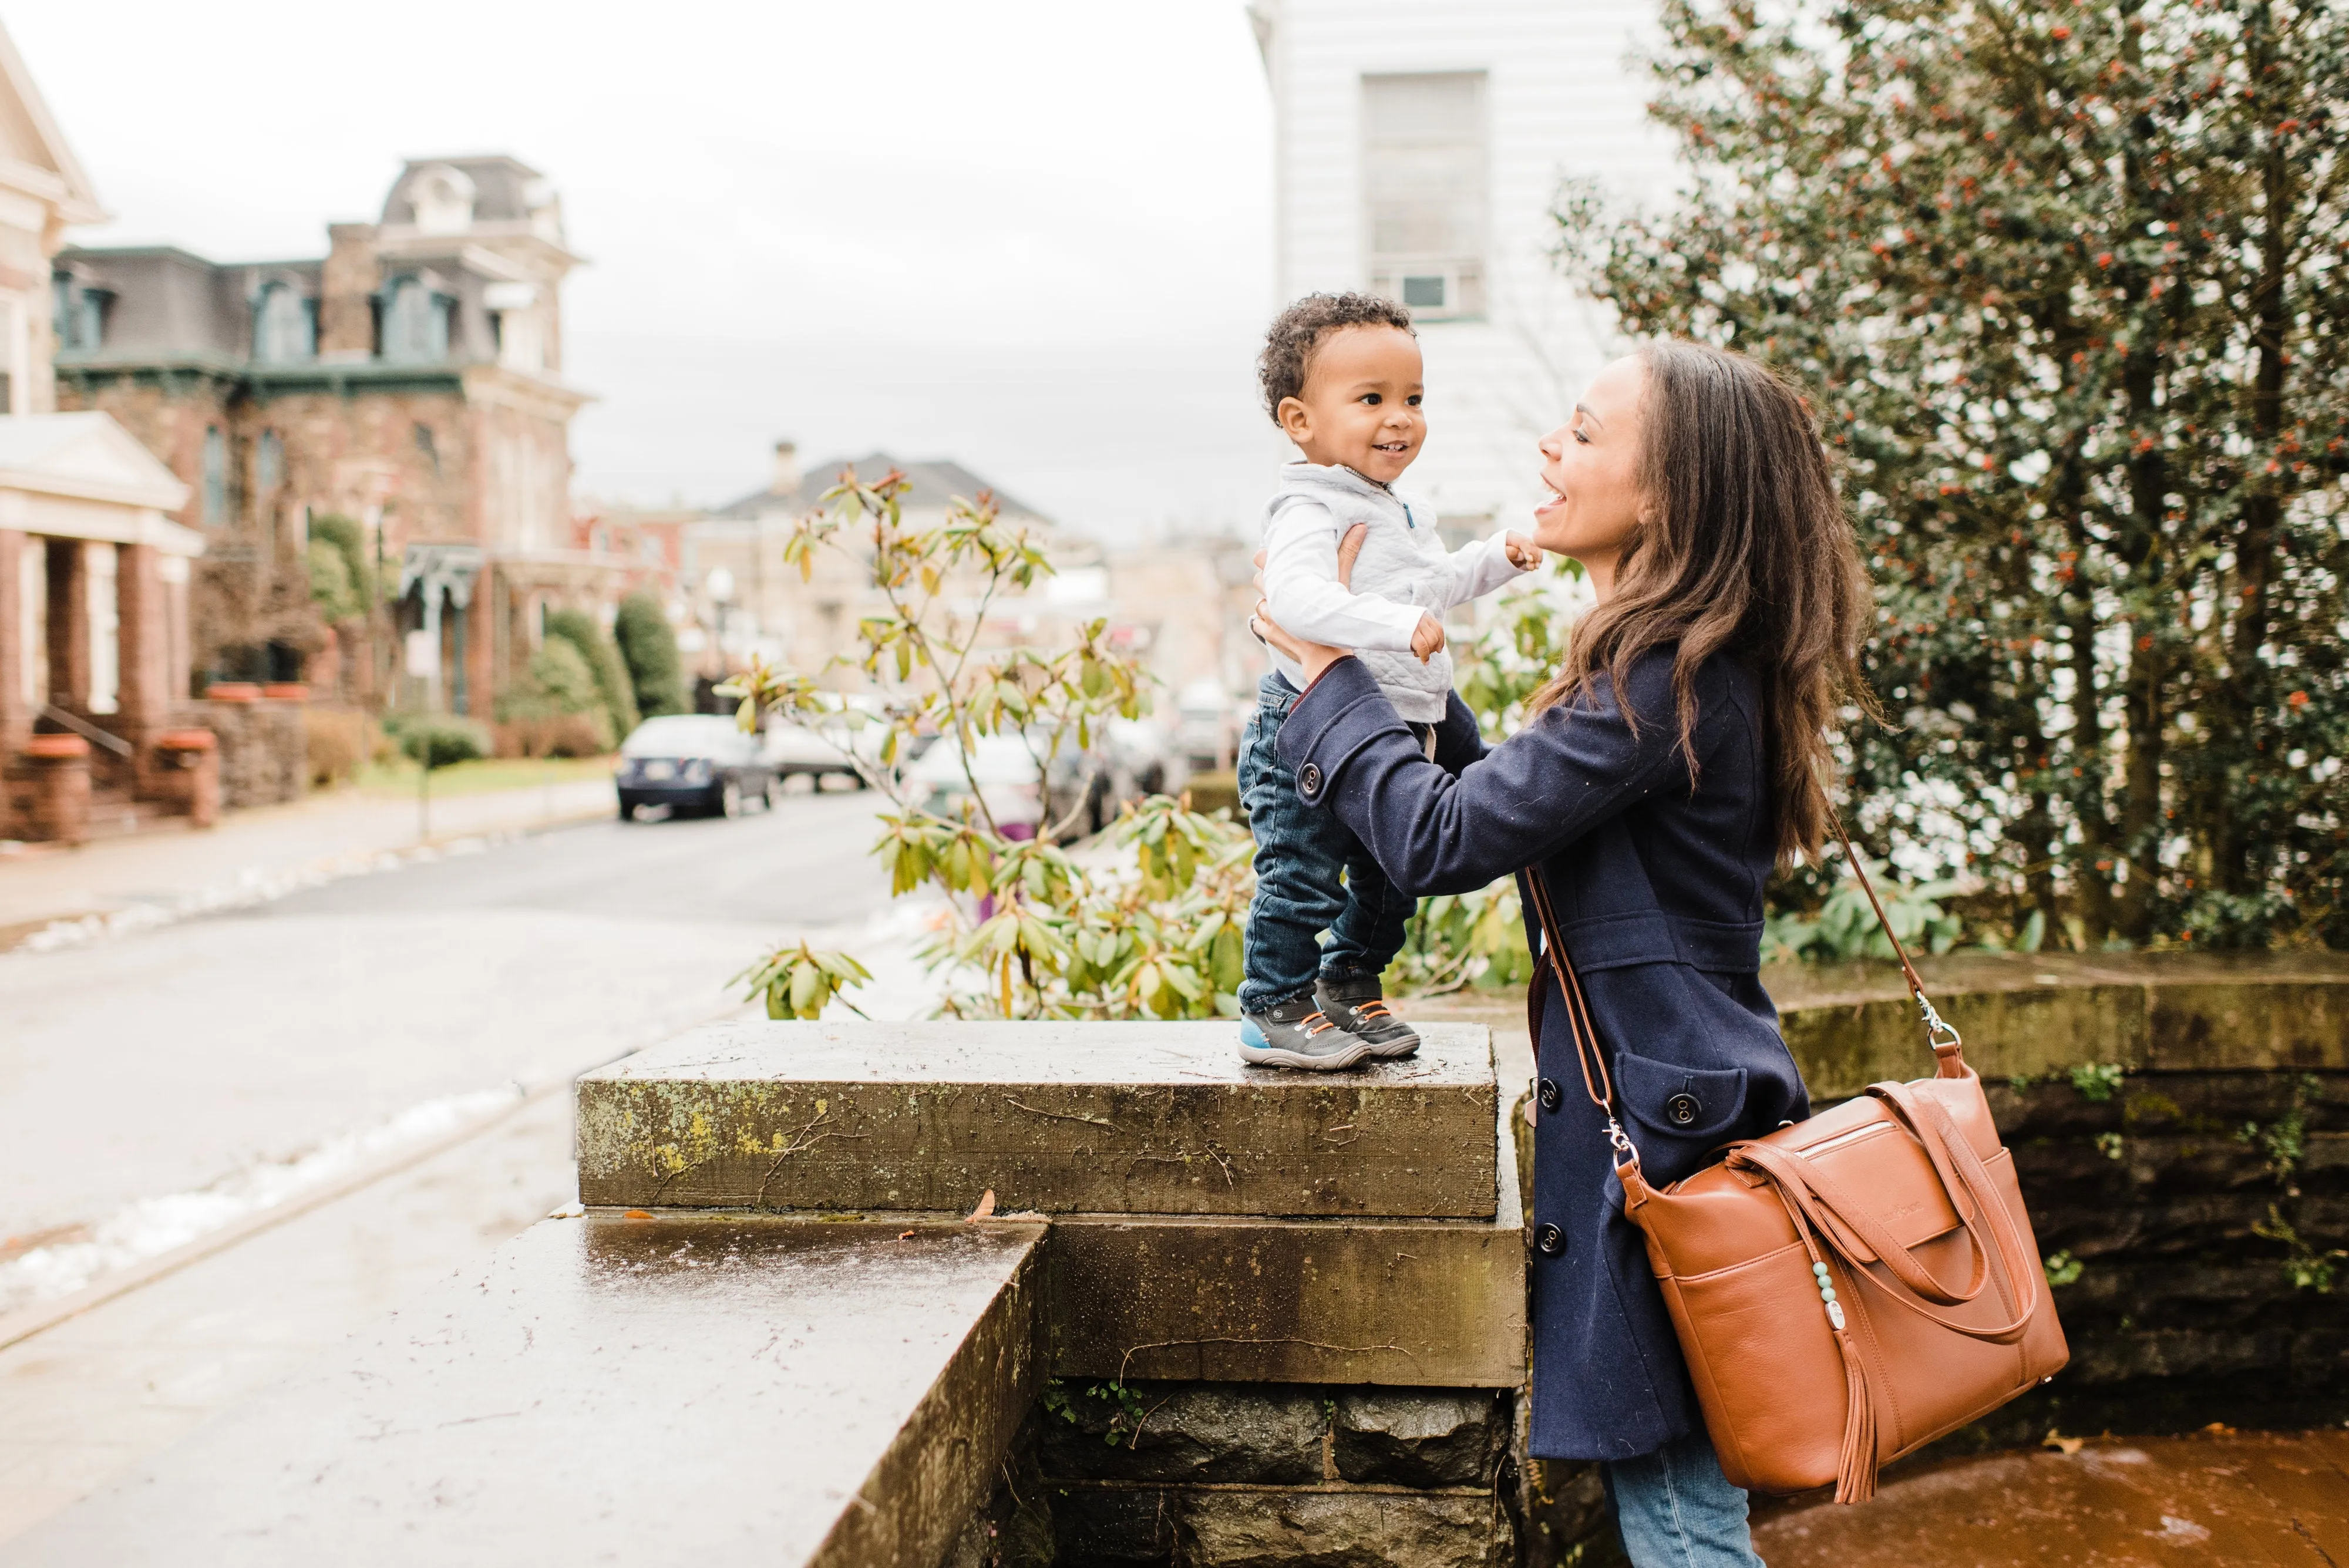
x,y
719,585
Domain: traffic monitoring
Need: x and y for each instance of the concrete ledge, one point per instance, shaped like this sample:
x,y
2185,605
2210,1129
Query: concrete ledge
x,y
2031,1014
1429,1303
1850,1026
1125,1118
602,1389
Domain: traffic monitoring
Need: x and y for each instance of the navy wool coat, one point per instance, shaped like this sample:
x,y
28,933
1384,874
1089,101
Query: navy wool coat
x,y
1658,888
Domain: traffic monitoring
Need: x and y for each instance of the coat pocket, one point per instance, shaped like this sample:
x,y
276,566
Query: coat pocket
x,y
1680,1101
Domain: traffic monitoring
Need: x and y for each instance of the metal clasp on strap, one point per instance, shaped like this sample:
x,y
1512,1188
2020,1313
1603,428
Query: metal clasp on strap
x,y
1937,1033
1621,1140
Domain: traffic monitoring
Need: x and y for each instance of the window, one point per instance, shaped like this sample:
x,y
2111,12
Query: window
x,y
1423,188
284,328
78,313
430,448
443,198
415,323
215,476
268,461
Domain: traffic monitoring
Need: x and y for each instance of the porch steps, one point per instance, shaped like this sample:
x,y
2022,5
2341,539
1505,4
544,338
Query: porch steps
x,y
114,815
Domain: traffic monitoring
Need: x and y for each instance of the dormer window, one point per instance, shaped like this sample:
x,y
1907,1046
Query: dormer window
x,y
284,326
415,323
79,315
443,198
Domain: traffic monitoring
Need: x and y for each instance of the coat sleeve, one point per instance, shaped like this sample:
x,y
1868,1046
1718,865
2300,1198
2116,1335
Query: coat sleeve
x,y
1571,770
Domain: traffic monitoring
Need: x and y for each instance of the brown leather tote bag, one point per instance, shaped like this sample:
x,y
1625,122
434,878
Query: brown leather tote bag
x,y
1848,1288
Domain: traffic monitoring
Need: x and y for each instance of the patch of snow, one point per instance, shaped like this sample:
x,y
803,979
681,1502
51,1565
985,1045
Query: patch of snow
x,y
248,888
154,1226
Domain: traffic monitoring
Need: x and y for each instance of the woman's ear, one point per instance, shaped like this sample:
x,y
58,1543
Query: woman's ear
x,y
1295,420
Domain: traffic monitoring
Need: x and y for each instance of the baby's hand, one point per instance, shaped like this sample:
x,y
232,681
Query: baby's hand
x,y
1523,552
1427,638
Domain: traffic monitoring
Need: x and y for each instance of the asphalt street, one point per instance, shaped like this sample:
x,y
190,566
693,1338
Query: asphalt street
x,y
163,1062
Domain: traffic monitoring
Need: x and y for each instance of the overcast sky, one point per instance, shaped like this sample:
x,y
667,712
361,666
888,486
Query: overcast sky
x,y
1034,235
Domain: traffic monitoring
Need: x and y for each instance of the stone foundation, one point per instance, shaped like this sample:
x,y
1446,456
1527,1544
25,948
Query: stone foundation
x,y
1253,1475
264,757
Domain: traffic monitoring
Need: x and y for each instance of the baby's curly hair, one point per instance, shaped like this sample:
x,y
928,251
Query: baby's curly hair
x,y
1298,331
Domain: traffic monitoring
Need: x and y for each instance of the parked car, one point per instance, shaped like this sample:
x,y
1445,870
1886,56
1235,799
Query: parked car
x,y
1207,726
692,763
828,750
1002,766
1126,762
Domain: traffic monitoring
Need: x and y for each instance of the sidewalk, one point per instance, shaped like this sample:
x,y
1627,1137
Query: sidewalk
x,y
125,883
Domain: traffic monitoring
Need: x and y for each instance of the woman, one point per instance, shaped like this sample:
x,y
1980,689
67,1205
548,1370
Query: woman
x,y
1677,758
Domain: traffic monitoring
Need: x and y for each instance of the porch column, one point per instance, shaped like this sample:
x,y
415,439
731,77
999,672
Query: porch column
x,y
143,636
480,648
68,581
15,613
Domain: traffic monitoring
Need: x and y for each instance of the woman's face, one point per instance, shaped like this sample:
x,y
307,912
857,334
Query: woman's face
x,y
1591,465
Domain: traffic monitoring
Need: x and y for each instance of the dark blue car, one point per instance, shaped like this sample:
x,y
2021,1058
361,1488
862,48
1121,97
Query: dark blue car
x,y
695,763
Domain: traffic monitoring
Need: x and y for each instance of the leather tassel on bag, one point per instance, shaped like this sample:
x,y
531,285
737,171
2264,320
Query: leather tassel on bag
x,y
1855,1476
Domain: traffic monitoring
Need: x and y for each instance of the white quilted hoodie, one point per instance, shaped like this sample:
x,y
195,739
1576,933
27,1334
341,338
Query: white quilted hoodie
x,y
1403,571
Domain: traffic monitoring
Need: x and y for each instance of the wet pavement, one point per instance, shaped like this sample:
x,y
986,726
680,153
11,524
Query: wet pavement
x,y
2231,1497
608,1390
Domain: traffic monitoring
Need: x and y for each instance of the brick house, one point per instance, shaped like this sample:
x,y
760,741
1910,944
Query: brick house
x,y
411,379
93,573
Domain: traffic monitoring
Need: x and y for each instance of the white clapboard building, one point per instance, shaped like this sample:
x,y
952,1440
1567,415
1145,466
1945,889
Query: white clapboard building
x,y
1418,150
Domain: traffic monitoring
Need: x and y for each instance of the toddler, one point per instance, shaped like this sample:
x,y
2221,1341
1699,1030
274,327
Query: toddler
x,y
1341,378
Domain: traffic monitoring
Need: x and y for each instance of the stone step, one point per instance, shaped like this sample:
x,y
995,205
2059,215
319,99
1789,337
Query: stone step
x,y
1105,1119
1402,1302
690,1389
114,815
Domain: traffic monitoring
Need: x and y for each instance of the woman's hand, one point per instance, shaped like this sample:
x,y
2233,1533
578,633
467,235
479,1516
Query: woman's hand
x,y
1312,657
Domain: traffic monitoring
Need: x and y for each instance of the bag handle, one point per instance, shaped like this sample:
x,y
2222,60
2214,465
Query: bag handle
x,y
1806,1191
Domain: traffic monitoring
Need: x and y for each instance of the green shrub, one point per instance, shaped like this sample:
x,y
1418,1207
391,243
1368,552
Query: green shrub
x,y
579,628
347,541
2070,299
435,740
556,709
648,648
330,585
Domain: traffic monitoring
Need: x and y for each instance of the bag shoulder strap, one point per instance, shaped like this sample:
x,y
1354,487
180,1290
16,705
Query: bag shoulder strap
x,y
1947,1046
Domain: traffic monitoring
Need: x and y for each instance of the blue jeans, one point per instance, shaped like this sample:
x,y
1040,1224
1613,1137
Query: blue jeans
x,y
1676,1510
1301,852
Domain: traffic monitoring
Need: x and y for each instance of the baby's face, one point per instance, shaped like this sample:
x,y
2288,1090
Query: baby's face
x,y
1360,408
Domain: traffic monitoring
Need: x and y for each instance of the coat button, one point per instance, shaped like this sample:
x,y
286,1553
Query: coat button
x,y
1683,1109
1549,1095
1309,779
1551,1239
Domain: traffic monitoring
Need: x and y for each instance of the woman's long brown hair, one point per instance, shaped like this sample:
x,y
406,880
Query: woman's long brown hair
x,y
1742,548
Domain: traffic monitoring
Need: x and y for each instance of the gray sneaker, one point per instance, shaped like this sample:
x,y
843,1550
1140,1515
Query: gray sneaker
x,y
1294,1035
1358,1007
